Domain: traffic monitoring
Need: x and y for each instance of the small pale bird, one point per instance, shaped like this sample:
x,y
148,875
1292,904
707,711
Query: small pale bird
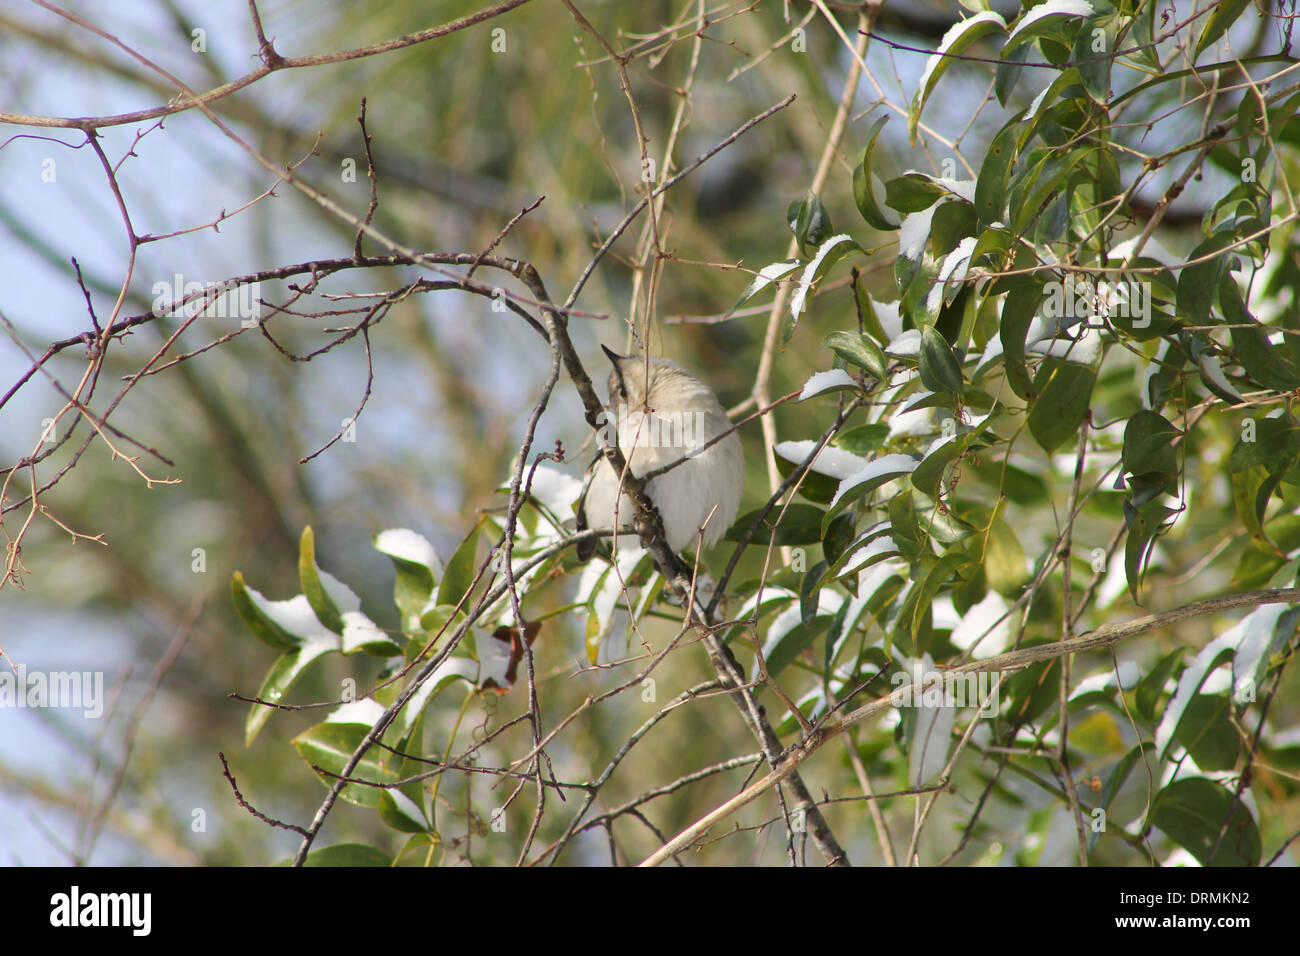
x,y
661,418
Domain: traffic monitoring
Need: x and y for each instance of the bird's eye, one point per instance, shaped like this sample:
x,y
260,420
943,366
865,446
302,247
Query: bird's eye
x,y
622,392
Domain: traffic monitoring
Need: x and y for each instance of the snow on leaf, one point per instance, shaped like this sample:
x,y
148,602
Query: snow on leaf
x,y
362,711
556,490
815,268
834,462
1053,8
893,466
407,545
825,382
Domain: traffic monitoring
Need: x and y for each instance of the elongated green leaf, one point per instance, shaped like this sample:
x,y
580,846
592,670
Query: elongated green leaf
x,y
1149,444
809,221
767,275
940,370
1272,440
868,190
1269,366
879,472
1004,560
857,349
345,854
1064,391
929,472
417,567
1206,731
810,592
460,570
991,184
828,253
863,439
252,608
1145,524
330,746
322,604
1208,821
1152,687
1223,15
1022,302
958,37
1046,20
286,669
1196,283
799,524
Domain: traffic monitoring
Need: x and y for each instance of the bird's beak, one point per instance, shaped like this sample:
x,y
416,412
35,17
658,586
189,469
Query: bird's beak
x,y
613,356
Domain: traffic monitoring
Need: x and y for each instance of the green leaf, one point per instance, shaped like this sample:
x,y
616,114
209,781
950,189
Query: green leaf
x,y
837,537
810,592
958,37
1247,486
815,487
1004,560
330,746
249,604
400,809
1122,770
828,253
1064,392
856,349
863,439
1196,283
1094,64
286,669
940,370
867,188
322,604
1198,814
1149,445
935,578
1018,311
793,643
1264,362
1009,71
1144,37
810,221
1020,486
1206,730
1145,524
459,575
1029,125
1115,782
799,524
1030,190
1224,15
417,567
930,471
1150,689
991,184
767,275
849,561
914,192
1044,21
1275,440
1033,689
345,854
855,487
